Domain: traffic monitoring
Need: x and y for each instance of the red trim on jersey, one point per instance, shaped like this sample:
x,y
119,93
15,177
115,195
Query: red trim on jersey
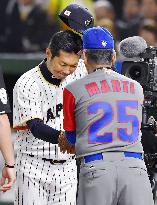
x,y
69,111
21,128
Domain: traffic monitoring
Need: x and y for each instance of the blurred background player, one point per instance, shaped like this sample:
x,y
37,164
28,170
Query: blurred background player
x,y
102,121
36,27
132,18
148,31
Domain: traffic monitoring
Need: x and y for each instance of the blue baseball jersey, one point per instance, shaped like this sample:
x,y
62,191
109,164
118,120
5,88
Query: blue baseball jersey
x,y
105,110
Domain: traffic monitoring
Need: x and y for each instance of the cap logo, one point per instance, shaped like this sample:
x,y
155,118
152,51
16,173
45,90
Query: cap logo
x,y
104,43
67,13
87,22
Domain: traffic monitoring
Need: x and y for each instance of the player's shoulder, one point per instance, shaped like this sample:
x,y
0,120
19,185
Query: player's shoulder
x,y
75,86
81,63
27,78
79,72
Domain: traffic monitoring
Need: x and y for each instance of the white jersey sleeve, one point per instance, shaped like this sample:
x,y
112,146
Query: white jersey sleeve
x,y
26,101
80,72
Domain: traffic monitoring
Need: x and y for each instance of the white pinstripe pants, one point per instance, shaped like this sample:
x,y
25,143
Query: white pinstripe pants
x,y
41,183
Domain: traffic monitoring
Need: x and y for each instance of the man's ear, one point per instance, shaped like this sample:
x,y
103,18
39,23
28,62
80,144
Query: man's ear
x,y
84,56
48,54
114,58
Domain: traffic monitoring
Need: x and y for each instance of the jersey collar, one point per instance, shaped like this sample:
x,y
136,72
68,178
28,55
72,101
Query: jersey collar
x,y
47,74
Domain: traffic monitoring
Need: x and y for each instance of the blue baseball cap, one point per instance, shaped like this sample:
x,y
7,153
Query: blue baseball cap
x,y
97,38
77,17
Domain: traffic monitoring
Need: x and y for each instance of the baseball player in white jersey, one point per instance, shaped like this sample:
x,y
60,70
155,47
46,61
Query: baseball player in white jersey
x,y
102,119
46,176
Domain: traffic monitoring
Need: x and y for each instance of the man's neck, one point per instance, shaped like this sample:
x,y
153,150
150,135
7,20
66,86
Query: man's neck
x,y
93,68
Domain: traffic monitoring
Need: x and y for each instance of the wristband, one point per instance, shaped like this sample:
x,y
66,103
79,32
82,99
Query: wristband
x,y
9,166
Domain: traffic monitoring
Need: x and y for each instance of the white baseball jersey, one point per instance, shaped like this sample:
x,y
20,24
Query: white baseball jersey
x,y
35,97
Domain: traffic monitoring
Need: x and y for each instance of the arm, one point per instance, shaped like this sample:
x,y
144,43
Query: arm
x,y
8,154
67,141
42,131
8,174
27,112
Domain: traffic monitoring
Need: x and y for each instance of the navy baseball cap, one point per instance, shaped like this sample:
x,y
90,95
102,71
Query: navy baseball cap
x,y
97,38
77,17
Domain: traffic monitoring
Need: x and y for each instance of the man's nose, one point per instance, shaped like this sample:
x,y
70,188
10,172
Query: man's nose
x,y
67,70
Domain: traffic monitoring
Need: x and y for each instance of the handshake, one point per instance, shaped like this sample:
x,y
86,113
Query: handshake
x,y
64,145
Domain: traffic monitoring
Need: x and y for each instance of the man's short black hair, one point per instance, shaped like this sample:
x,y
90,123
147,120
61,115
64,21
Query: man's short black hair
x,y
67,41
100,56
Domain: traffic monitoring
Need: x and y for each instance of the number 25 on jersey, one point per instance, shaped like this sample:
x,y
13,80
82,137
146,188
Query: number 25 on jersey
x,y
107,119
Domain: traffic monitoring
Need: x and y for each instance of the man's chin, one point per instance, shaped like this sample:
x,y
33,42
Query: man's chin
x,y
59,77
62,77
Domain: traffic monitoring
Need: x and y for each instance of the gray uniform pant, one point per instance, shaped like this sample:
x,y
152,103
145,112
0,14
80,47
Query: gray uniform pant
x,y
41,183
115,180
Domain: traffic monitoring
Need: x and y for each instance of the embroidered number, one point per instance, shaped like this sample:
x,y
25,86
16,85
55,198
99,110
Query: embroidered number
x,y
107,118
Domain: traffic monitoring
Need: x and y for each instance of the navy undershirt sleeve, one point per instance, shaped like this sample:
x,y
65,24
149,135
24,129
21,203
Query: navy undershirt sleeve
x,y
42,131
71,137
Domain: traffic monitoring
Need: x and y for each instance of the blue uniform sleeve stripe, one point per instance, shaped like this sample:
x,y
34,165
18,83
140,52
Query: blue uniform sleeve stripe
x,y
71,137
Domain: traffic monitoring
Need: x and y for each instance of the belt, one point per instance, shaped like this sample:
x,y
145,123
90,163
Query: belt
x,y
54,161
99,156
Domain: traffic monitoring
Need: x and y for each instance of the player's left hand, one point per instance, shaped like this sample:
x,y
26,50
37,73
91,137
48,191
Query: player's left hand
x,y
8,179
64,145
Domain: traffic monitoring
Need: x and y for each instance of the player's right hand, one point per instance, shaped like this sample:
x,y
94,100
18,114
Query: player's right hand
x,y
64,145
8,179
